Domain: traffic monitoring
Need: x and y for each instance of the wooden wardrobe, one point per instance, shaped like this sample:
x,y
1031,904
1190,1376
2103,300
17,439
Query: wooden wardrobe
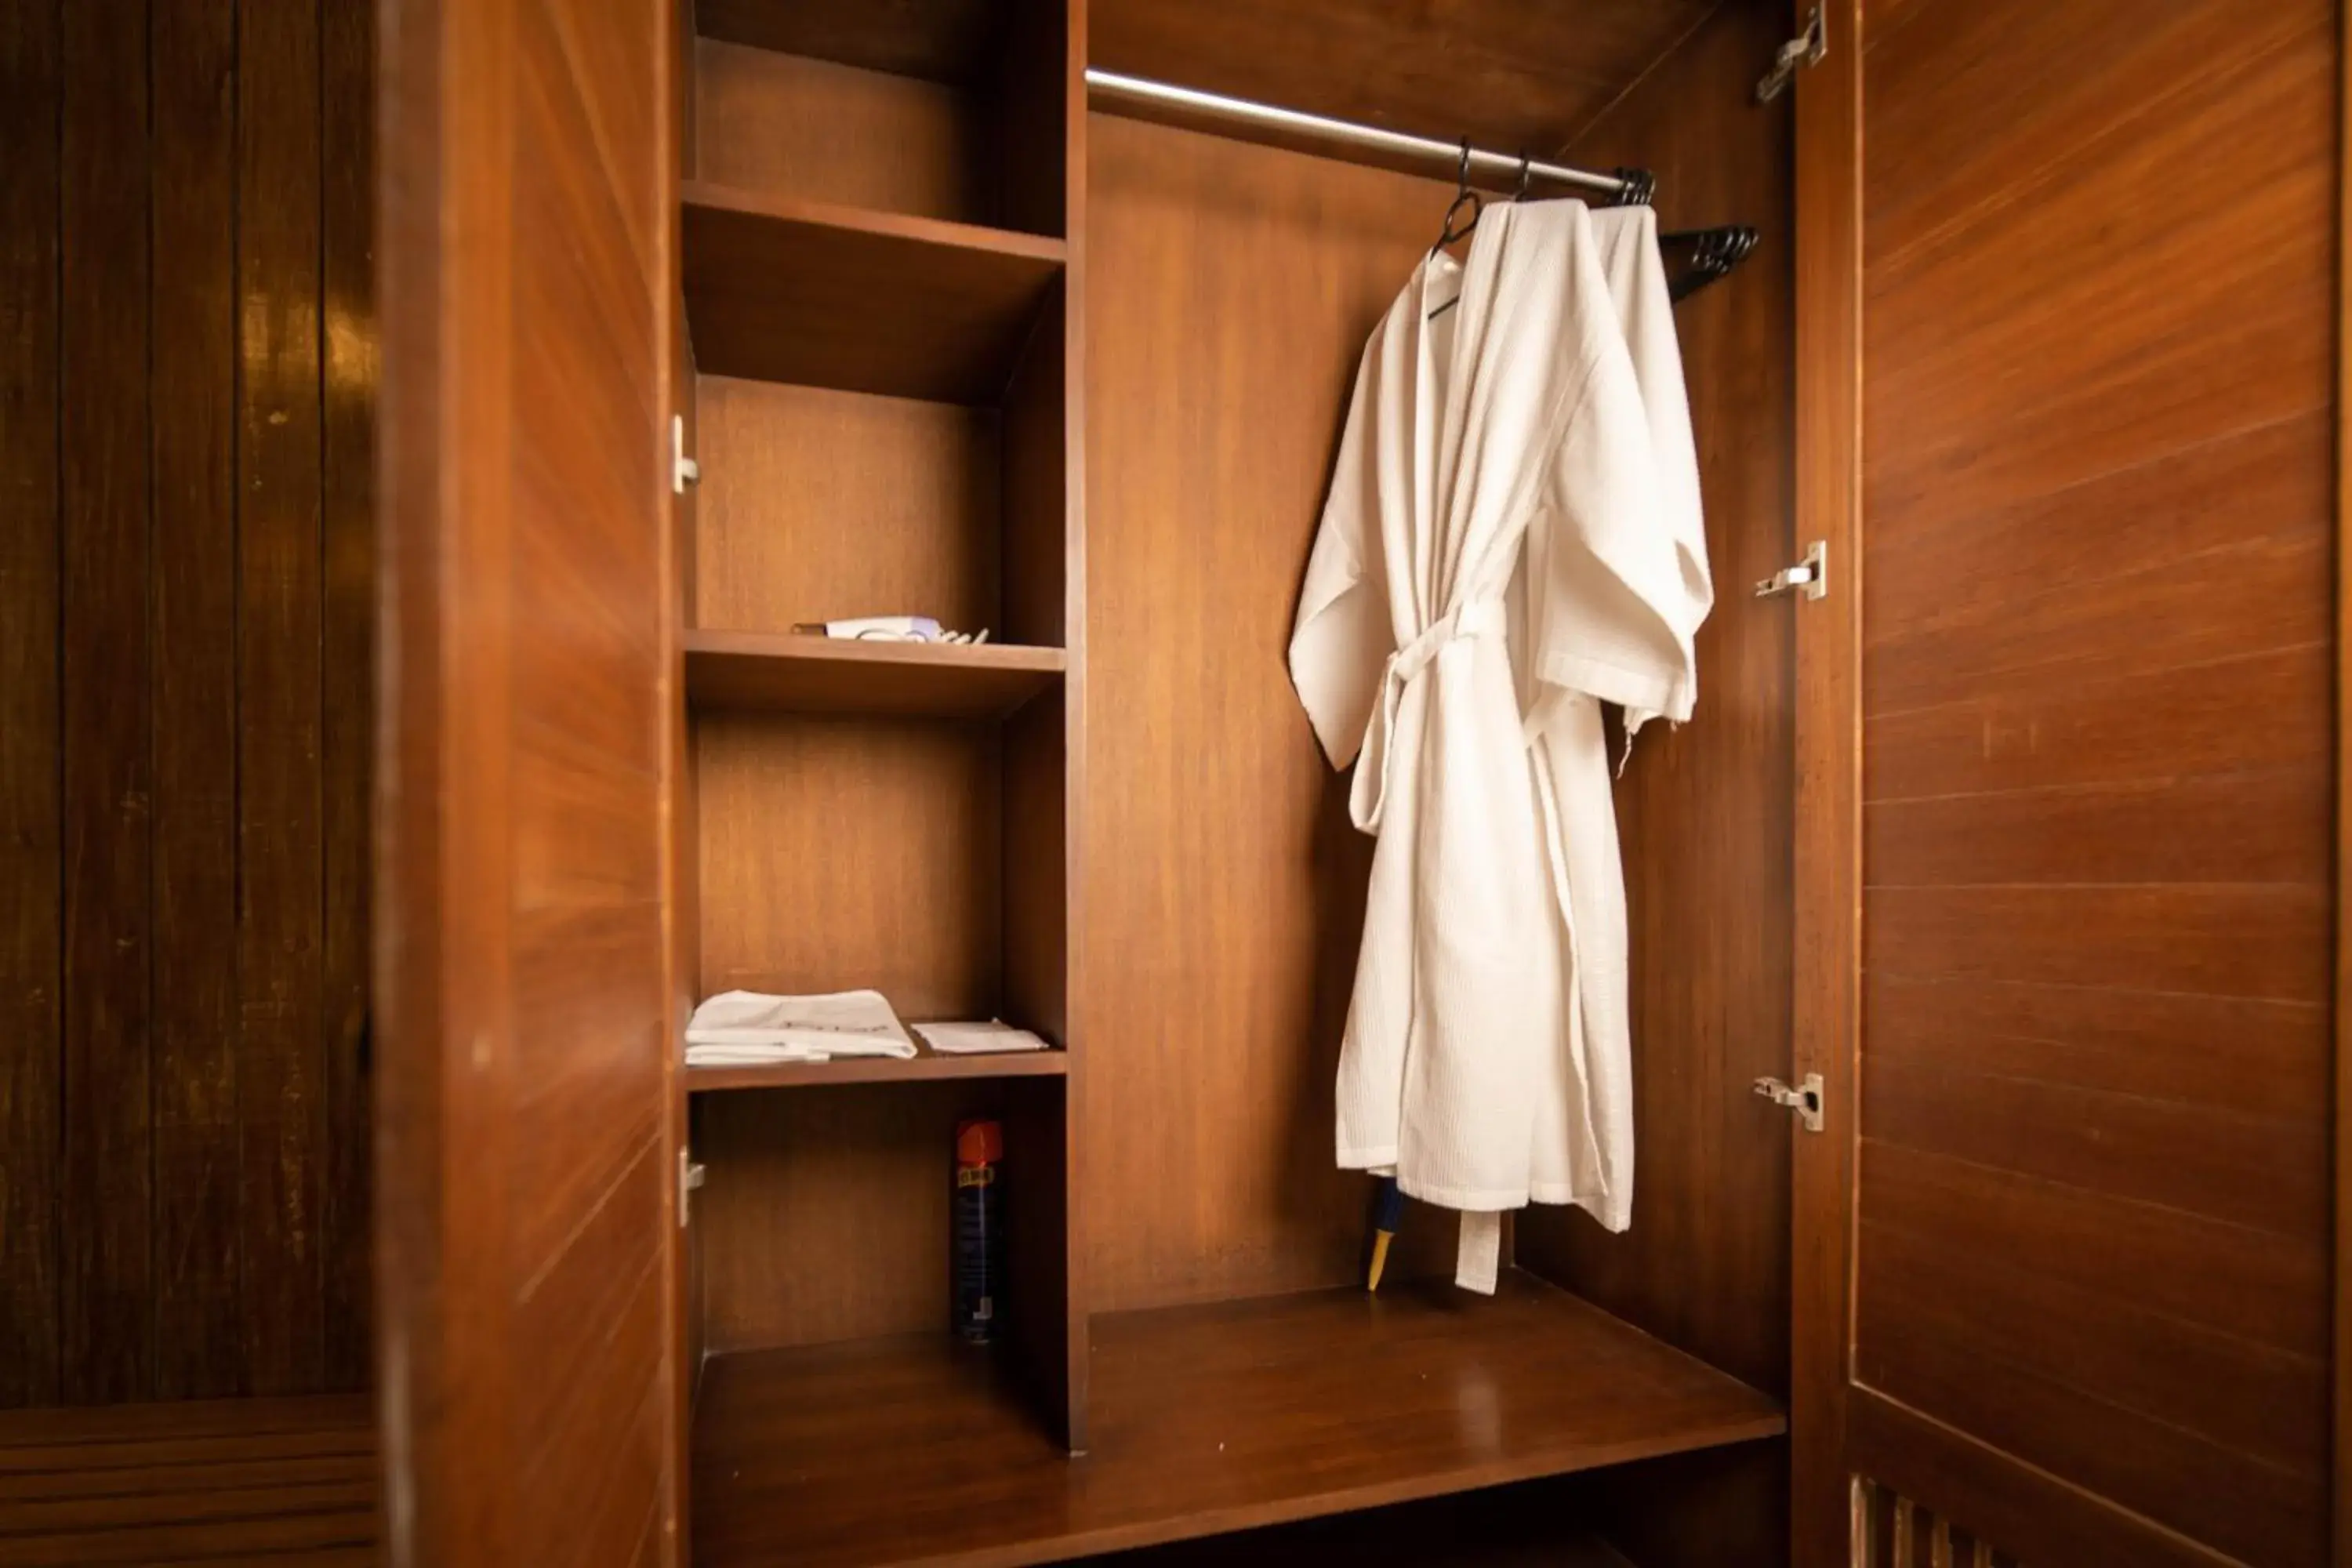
x,y
2014,845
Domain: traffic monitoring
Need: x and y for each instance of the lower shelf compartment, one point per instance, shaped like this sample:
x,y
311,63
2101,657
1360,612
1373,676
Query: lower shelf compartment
x,y
1204,1419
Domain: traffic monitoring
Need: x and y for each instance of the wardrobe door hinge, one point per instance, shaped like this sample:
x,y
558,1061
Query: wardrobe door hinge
x,y
1812,575
1805,1100
683,471
1805,49
690,1178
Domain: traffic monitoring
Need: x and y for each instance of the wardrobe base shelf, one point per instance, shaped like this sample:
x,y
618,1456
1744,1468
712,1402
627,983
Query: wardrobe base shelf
x,y
1204,1420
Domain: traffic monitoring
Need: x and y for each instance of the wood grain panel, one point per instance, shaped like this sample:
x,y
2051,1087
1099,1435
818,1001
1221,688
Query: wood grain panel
x,y
1508,75
1705,812
827,133
914,914
2252,1285
1918,1350
2262,1173
347,561
181,399
523,953
31,802
198,1300
2182,509
824,1215
1223,883
2224,1053
2247,828
2266,1405
820,506
2034,733
105,1193
281,680
2095,1187
281,1480
2261,943
2266,594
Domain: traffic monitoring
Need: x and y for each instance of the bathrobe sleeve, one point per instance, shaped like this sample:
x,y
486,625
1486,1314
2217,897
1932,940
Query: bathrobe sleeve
x,y
1343,636
1616,564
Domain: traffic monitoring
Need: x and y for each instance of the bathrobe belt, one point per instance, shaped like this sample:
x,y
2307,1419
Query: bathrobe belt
x,y
1367,797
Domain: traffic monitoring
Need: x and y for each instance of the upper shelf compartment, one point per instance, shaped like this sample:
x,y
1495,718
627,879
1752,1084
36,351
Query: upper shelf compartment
x,y
778,290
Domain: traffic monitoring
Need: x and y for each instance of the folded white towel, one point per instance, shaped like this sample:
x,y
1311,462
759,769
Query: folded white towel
x,y
974,1040
739,1028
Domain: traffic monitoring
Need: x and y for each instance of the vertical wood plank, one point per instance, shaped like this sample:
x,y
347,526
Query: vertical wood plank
x,y
199,1345
29,803
107,1346
348,718
2340,1411
1829,776
280,1074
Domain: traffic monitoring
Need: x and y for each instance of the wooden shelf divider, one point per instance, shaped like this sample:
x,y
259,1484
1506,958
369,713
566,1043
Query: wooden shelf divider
x,y
784,672
819,294
928,1066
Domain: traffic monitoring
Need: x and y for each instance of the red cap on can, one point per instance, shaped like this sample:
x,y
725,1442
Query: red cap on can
x,y
979,1142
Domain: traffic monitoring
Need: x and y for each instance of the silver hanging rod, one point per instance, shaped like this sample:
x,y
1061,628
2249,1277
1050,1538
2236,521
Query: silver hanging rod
x,y
1502,168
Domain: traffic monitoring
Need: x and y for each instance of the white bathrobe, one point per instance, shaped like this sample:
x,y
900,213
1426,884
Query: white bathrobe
x,y
1512,538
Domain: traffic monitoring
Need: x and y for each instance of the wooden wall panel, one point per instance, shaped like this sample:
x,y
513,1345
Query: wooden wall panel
x,y
185,730
2095,1180
1228,294
824,1216
914,915
31,814
818,506
105,1311
281,1108
199,1310
819,132
346,736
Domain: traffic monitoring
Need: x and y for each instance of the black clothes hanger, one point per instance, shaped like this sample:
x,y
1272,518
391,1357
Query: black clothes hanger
x,y
1462,191
1447,234
1713,253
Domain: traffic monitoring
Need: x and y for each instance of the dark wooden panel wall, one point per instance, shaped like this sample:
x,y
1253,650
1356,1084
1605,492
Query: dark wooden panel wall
x,y
2098,516
187,369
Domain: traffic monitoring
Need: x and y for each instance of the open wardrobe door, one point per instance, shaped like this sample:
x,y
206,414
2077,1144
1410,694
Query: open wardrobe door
x,y
528,1176
2062,1260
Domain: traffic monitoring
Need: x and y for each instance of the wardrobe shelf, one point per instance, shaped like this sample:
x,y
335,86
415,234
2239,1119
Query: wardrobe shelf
x,y
784,672
1204,1420
936,40
819,294
922,1068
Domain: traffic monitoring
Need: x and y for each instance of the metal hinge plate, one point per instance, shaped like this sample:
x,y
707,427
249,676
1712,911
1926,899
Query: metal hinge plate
x,y
1805,49
1810,575
683,471
690,1178
1805,1100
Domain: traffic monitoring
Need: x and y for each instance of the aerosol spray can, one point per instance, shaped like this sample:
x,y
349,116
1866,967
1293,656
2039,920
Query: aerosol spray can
x,y
978,1231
